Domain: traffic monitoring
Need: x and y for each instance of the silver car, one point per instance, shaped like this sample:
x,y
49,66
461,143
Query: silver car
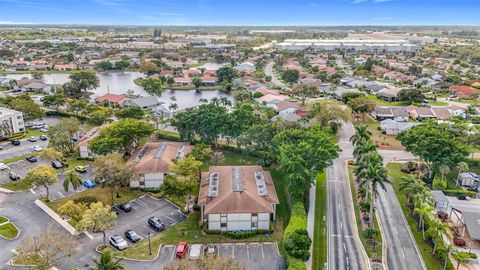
x,y
195,252
118,242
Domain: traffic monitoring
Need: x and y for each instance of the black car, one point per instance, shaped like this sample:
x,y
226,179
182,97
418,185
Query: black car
x,y
31,158
132,236
463,198
126,207
13,176
474,189
57,164
16,142
156,224
43,137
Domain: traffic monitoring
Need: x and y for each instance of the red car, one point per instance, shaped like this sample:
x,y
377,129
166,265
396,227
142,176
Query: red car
x,y
181,250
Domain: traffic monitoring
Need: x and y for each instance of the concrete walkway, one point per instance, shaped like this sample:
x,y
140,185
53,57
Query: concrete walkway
x,y
311,223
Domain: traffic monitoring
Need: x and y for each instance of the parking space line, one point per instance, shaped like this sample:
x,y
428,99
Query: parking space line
x,y
61,194
171,219
173,253
263,254
89,235
149,229
33,191
248,253
233,251
276,246
142,202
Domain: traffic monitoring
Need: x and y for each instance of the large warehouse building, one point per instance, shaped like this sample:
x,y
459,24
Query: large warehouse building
x,y
378,46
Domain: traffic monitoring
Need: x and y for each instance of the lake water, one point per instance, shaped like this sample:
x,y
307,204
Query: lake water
x,y
121,82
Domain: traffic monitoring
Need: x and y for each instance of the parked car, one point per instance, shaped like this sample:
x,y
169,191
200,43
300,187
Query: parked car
x,y
1,147
195,252
463,198
43,137
210,250
118,242
80,169
32,139
156,224
474,189
126,207
132,236
16,142
44,130
14,176
181,251
3,166
29,124
88,183
31,158
57,164
37,148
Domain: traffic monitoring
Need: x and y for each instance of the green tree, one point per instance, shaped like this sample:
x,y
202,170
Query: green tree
x,y
362,106
361,134
226,74
60,135
297,244
98,219
347,96
148,68
170,81
122,64
131,112
104,65
54,102
291,75
202,152
73,210
121,136
72,179
197,82
424,211
257,139
82,81
411,96
51,154
29,108
304,91
37,75
152,85
42,175
108,262
326,112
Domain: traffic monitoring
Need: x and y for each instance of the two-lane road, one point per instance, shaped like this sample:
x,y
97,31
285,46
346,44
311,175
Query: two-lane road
x,y
344,248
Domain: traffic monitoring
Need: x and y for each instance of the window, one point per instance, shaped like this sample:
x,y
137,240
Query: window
x,y
254,224
223,225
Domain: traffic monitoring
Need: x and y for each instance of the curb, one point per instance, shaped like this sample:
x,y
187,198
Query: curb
x,y
13,224
6,191
70,229
384,241
134,260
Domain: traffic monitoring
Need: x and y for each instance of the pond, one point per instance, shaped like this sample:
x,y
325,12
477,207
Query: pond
x,y
121,82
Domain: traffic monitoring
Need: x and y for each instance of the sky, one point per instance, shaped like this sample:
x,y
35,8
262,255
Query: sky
x,y
241,12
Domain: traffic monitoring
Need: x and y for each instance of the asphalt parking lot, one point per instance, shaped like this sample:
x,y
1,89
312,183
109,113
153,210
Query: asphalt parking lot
x,y
143,208
21,168
261,256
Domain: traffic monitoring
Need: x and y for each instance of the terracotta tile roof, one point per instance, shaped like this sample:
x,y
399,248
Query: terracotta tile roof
x,y
287,104
208,79
156,157
464,89
246,198
113,98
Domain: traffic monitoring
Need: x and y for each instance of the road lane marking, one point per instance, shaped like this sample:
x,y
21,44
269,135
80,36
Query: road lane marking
x,y
344,246
248,253
403,253
395,228
263,254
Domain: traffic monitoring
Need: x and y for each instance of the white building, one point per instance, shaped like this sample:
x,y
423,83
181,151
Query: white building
x,y
11,121
234,198
153,162
377,46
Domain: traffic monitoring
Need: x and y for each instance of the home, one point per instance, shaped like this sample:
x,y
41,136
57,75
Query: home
x,y
182,81
112,99
286,107
245,66
468,179
392,127
208,80
379,70
191,72
462,91
149,102
427,82
388,94
339,92
234,198
11,121
84,142
398,114
153,161
421,113
166,73
64,67
175,64
32,85
271,98
441,201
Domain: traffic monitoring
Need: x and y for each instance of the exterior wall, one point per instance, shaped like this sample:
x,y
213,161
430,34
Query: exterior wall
x,y
237,222
149,180
401,119
12,121
85,152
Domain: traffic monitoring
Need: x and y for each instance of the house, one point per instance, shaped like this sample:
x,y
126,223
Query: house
x,y
149,102
427,82
421,113
32,85
272,98
11,121
441,201
462,91
166,73
379,70
153,161
398,114
84,142
182,81
468,179
190,72
206,80
285,106
388,94
64,67
245,66
234,198
112,99
288,117
392,127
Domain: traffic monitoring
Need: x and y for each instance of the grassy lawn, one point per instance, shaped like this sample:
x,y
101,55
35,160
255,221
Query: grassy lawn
x,y
17,158
17,185
426,250
3,219
383,141
365,242
382,102
319,256
23,260
8,230
467,101
34,132
190,231
102,194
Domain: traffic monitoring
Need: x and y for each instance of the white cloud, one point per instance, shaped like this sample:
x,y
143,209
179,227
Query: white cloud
x,y
358,1
110,3
381,1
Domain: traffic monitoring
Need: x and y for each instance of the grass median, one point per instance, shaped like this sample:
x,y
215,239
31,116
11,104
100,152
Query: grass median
x,y
319,256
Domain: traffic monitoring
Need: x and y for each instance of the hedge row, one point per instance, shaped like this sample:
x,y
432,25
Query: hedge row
x,y
298,221
166,135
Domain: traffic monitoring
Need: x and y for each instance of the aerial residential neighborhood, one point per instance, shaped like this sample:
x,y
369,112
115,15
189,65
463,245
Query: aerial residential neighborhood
x,y
263,135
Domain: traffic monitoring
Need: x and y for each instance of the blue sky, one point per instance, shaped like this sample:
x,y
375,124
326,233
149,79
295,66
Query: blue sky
x,y
242,12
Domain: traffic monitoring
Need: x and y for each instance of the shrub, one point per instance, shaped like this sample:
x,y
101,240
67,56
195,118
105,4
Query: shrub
x,y
295,264
459,242
161,134
458,192
298,219
297,244
438,183
257,95
87,200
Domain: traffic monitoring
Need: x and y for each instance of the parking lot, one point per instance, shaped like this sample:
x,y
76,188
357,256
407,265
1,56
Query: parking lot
x,y
21,168
143,208
254,256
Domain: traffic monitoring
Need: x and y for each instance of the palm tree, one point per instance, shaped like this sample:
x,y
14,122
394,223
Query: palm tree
x,y
107,262
448,250
424,211
72,178
436,228
413,187
444,169
462,167
361,133
377,177
363,147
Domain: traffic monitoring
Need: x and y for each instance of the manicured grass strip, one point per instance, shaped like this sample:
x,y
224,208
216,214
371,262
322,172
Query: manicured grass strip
x,y
368,246
319,256
17,185
431,262
17,158
3,219
8,230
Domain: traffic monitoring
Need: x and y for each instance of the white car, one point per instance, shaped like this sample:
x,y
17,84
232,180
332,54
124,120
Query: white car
x,y
3,166
37,148
194,252
118,242
44,130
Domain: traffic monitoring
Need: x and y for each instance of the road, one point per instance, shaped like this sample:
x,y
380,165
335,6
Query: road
x,y
269,72
402,251
344,248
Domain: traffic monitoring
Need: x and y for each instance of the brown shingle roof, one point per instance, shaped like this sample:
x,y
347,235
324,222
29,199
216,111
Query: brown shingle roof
x,y
156,157
229,201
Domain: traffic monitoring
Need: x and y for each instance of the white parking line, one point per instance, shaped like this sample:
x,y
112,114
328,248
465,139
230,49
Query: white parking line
x,y
61,194
141,202
263,254
171,219
33,191
149,229
233,251
248,253
89,235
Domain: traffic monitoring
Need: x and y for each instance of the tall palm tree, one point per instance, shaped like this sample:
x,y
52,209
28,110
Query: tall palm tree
x,y
436,228
448,250
376,177
107,262
424,211
412,186
72,178
444,169
361,134
363,147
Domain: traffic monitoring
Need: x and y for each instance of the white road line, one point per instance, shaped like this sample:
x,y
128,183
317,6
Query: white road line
x,y
341,226
344,247
248,253
233,251
395,228
89,235
33,191
61,194
171,219
403,253
263,254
